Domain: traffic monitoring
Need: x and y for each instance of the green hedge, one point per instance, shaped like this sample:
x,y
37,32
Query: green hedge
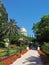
x,y
45,47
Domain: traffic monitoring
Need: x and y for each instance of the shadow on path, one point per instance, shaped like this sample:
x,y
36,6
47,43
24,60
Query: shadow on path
x,y
30,58
33,61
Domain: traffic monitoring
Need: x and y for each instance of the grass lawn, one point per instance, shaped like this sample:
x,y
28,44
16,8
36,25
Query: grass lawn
x,y
9,51
3,52
1,63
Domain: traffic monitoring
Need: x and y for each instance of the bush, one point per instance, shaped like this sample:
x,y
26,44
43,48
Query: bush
x,y
2,45
23,46
45,47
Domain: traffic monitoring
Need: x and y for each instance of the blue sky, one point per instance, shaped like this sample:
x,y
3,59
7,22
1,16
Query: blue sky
x,y
26,12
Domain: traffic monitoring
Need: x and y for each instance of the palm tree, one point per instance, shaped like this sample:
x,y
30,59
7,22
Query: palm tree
x,y
13,29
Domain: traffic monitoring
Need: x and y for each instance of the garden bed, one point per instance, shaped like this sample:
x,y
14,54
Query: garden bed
x,y
10,59
44,57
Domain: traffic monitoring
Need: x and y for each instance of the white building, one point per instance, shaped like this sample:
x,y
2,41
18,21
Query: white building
x,y
23,31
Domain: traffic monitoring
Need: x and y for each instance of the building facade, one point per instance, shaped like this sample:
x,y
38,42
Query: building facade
x,y
23,31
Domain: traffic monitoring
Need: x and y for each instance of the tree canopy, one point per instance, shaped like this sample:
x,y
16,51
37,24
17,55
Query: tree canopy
x,y
3,21
41,29
7,29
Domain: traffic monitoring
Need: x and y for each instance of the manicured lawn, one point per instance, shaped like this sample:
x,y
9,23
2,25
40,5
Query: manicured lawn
x,y
3,52
9,51
11,54
12,51
1,63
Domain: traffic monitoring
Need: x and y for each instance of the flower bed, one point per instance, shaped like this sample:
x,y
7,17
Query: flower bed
x,y
43,57
1,50
13,46
24,51
10,59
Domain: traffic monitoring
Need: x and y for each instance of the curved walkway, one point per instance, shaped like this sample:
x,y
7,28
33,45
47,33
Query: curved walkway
x,y
30,58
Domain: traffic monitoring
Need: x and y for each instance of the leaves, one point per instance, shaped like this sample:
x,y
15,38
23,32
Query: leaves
x,y
41,29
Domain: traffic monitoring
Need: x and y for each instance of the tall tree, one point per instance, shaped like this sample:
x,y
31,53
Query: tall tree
x,y
36,30
42,29
13,29
3,21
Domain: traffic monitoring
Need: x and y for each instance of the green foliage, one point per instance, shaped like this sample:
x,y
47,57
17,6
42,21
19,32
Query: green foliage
x,y
13,30
35,27
3,22
1,63
23,46
7,29
30,38
41,29
18,49
45,47
9,51
3,54
2,44
15,39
